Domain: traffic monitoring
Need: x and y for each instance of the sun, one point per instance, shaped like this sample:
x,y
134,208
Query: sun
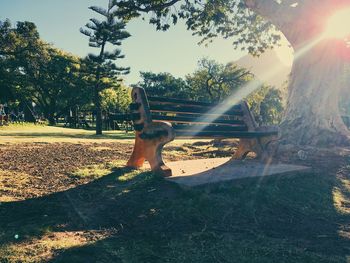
x,y
338,25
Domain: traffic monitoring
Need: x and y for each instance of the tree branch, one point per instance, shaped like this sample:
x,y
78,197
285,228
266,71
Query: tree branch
x,y
152,7
280,14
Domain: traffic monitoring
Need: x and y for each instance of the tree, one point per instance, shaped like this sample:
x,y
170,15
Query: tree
x,y
34,71
58,72
266,104
165,85
312,112
116,99
100,33
5,76
5,82
214,81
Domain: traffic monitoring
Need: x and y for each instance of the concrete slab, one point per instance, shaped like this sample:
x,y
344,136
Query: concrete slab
x,y
206,171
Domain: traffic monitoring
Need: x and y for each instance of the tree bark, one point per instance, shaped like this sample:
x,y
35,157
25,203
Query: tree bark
x,y
52,121
51,112
312,115
98,109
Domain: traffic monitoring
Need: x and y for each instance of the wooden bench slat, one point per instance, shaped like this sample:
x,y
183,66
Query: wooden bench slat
x,y
179,101
209,128
225,134
191,110
200,120
161,100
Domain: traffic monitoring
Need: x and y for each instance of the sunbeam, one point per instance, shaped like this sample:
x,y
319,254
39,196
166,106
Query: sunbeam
x,y
244,91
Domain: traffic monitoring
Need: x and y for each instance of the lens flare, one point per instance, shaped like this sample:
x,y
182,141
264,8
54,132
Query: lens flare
x,y
338,25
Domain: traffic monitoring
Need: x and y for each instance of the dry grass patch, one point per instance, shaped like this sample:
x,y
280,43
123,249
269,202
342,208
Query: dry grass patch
x,y
13,185
44,249
92,171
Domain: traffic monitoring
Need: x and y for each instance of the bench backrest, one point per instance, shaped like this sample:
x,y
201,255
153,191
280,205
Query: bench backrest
x,y
191,118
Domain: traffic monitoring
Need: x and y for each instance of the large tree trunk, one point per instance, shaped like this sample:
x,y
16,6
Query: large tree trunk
x,y
312,114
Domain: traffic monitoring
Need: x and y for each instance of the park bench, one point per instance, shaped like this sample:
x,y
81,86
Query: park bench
x,y
158,121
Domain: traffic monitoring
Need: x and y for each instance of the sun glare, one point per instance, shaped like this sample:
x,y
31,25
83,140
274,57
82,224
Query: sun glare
x,y
338,25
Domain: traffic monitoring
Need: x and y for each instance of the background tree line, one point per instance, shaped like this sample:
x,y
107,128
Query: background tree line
x,y
33,71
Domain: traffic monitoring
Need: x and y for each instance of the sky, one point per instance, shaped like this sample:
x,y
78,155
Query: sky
x,y
175,51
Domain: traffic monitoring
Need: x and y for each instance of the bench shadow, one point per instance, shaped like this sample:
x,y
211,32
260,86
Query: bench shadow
x,y
152,220
58,211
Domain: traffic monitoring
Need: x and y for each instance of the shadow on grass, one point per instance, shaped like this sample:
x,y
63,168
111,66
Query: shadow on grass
x,y
152,220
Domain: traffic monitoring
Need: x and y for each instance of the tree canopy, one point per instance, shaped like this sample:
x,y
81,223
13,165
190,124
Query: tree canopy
x,y
213,81
36,71
33,71
165,85
207,19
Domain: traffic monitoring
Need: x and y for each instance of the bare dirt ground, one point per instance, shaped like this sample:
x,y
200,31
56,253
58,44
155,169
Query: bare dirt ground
x,y
41,169
31,170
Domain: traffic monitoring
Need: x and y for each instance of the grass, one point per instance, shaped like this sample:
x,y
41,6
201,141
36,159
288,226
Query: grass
x,y
30,133
92,171
99,170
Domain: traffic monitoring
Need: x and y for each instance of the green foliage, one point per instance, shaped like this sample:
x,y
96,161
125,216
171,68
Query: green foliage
x,y
207,19
164,85
213,81
267,105
100,33
33,71
271,108
116,99
92,171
